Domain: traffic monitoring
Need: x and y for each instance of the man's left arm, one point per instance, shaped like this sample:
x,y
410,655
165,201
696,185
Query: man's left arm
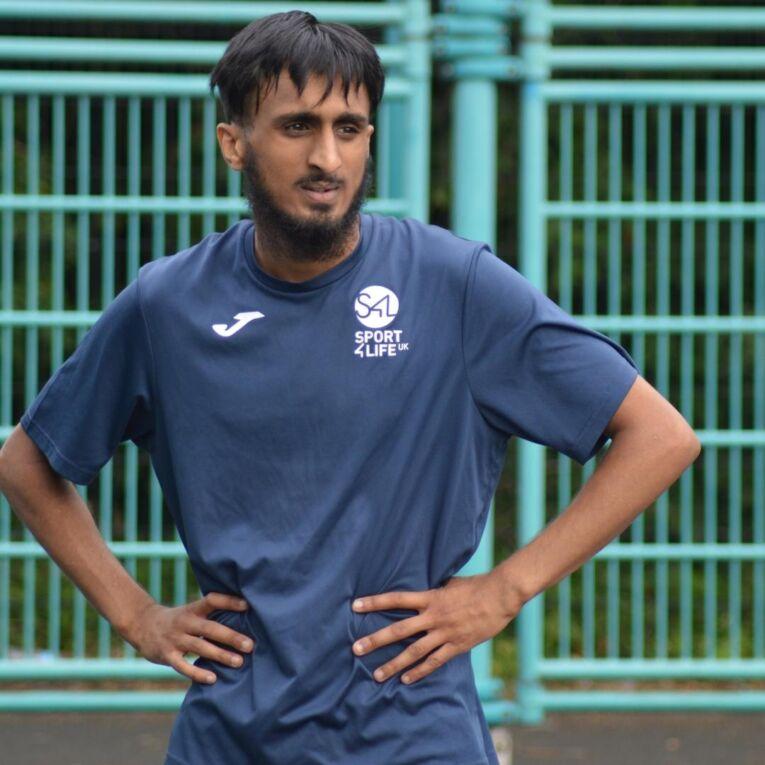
x,y
651,446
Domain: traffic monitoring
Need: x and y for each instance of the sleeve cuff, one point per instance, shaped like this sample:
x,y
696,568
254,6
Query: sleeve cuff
x,y
592,438
58,461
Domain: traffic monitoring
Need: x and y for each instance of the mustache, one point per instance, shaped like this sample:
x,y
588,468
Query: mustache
x,y
320,179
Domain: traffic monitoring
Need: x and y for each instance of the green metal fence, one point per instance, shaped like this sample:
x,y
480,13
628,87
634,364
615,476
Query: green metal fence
x,y
642,212
103,166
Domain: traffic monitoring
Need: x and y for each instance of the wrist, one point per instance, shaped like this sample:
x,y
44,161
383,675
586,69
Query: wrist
x,y
128,627
515,589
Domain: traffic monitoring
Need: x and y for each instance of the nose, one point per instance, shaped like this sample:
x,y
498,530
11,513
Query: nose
x,y
324,153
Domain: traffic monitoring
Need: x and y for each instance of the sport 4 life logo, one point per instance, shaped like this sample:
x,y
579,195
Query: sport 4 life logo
x,y
376,307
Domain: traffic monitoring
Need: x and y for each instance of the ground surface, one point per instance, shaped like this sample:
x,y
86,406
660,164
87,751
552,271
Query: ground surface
x,y
595,739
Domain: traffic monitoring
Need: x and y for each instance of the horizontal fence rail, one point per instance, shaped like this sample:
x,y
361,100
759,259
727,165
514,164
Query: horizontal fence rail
x,y
233,11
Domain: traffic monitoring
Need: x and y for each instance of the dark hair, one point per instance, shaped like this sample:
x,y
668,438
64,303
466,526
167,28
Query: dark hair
x,y
256,55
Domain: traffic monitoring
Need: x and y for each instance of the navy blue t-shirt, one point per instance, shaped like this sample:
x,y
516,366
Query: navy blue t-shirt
x,y
322,440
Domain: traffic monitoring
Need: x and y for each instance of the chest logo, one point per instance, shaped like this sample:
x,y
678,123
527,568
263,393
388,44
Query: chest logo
x,y
376,307
244,317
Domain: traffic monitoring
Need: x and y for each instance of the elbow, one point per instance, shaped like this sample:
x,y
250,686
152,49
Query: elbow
x,y
685,444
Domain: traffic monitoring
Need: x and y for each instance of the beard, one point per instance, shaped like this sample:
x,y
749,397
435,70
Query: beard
x,y
316,238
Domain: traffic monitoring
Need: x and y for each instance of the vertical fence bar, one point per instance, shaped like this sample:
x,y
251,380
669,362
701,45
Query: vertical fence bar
x,y
58,123
736,301
233,189
106,475
614,309
590,170
710,380
663,277
758,457
209,157
133,184
32,336
6,348
637,589
566,181
184,169
158,173
389,135
79,603
688,308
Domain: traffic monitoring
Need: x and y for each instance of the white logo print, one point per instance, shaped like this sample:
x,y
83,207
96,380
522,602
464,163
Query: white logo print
x,y
376,307
243,318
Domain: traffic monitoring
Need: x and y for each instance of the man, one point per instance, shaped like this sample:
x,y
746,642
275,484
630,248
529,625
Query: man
x,y
327,397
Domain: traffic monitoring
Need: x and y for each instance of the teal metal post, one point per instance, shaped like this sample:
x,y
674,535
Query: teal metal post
x,y
473,214
417,129
533,264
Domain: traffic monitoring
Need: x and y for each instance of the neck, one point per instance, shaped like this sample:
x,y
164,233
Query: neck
x,y
277,256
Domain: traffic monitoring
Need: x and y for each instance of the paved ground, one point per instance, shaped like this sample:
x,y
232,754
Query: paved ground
x,y
642,739
595,739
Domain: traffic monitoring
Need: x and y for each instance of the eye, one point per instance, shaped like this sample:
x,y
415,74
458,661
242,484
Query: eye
x,y
352,130
292,124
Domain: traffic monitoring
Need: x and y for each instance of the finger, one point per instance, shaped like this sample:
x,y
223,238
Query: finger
x,y
411,654
218,600
430,664
207,628
395,599
208,650
185,668
393,633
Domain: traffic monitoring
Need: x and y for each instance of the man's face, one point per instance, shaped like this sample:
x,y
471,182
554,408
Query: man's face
x,y
307,166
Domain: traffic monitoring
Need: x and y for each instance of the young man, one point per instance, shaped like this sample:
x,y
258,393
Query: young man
x,y
327,397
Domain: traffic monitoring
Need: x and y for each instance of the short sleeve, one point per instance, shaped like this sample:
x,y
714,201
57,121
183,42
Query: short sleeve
x,y
533,370
100,396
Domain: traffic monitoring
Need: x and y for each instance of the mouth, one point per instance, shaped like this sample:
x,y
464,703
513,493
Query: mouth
x,y
321,193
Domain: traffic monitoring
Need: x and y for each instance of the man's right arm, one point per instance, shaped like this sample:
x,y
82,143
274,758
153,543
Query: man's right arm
x,y
53,510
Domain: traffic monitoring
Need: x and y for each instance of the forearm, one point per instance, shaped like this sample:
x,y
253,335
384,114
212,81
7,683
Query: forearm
x,y
638,467
61,522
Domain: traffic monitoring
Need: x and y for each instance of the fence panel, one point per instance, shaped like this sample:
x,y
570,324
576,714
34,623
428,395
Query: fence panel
x,y
106,165
641,213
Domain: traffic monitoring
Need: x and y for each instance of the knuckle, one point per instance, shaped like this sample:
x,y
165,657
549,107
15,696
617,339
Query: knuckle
x,y
433,661
416,650
186,643
398,629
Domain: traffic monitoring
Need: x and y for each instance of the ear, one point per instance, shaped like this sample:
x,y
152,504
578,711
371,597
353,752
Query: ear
x,y
231,142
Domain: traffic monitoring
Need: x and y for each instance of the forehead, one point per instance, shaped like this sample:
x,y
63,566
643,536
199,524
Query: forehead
x,y
283,95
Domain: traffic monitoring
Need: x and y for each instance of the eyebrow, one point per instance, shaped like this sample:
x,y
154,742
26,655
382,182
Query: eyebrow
x,y
309,117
